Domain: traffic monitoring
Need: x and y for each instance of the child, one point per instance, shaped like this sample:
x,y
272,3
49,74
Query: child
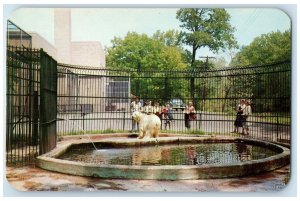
x,y
168,114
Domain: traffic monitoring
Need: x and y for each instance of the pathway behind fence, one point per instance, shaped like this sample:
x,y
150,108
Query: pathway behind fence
x,y
93,100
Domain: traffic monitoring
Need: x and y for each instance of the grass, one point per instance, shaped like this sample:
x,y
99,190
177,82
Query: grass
x,y
192,132
282,118
271,118
109,130
106,131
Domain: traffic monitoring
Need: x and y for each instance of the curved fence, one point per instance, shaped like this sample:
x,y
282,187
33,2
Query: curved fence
x,y
93,100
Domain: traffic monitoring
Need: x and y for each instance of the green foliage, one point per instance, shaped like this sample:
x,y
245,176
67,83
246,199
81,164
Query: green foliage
x,y
142,53
168,38
206,28
138,51
267,48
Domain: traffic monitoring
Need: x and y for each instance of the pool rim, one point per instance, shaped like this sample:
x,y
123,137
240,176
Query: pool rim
x,y
165,172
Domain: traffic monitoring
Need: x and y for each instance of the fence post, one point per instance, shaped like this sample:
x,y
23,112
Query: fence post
x,y
277,126
48,102
123,120
83,121
35,118
138,89
200,120
192,85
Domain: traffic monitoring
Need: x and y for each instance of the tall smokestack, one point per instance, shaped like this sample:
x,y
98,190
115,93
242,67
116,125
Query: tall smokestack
x,y
62,34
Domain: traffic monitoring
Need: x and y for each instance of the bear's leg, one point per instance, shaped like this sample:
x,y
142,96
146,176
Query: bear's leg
x,y
155,132
141,134
145,133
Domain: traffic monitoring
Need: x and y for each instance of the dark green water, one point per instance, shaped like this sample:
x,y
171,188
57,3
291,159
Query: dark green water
x,y
183,154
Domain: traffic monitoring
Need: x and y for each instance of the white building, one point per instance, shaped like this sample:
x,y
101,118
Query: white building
x,y
64,50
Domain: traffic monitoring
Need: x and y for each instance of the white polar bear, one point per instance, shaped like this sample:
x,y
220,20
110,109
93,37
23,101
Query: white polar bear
x,y
149,125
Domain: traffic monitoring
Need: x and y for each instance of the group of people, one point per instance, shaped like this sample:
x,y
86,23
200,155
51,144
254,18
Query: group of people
x,y
242,117
164,112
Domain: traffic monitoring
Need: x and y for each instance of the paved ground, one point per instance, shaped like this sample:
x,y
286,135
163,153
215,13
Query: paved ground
x,y
35,179
209,123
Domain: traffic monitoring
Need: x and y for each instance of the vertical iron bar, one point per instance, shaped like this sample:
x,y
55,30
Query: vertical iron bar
x,y
35,118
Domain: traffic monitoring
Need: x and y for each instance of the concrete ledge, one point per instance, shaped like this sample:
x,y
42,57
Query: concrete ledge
x,y
49,161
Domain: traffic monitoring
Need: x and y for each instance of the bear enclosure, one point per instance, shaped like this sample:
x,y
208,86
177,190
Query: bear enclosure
x,y
46,100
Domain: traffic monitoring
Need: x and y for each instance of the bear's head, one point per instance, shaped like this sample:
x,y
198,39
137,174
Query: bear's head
x,y
136,116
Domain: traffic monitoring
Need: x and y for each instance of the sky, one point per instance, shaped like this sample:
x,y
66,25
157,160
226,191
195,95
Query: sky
x,y
103,24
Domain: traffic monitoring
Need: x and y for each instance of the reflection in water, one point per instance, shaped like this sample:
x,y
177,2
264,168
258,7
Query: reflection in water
x,y
147,156
244,152
191,155
183,154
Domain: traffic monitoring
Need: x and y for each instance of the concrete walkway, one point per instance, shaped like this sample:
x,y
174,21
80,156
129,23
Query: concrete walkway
x,y
35,179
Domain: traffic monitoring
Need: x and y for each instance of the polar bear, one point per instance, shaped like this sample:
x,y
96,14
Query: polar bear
x,y
149,125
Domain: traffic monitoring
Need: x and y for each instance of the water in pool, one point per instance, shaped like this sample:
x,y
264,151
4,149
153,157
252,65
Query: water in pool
x,y
182,154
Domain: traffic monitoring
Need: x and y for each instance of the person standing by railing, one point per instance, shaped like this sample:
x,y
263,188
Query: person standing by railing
x,y
189,114
239,117
247,112
157,110
135,106
167,112
148,109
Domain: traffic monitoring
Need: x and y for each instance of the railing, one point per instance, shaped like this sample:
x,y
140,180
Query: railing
x,y
215,94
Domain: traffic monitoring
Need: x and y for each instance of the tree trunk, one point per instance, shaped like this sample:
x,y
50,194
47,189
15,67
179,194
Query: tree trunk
x,y
225,98
193,56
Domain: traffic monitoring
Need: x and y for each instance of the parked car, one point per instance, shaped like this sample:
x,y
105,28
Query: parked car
x,y
178,104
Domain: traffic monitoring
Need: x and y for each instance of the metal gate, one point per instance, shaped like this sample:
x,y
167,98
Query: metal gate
x,y
48,107
31,104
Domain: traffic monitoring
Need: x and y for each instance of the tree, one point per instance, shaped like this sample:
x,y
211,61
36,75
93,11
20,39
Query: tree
x,y
267,48
168,38
139,51
206,28
133,52
143,53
